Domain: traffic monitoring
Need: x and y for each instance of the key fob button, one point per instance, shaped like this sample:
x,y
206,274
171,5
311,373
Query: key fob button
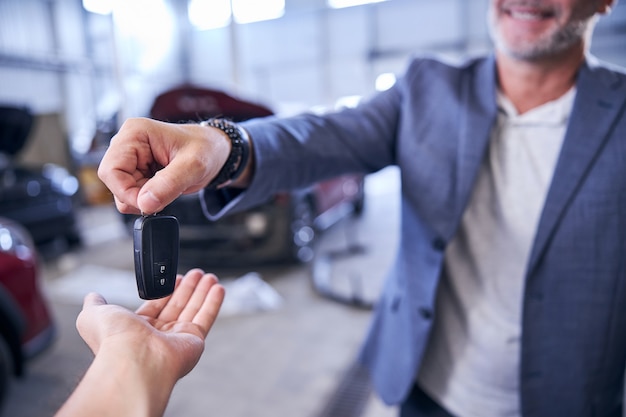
x,y
161,269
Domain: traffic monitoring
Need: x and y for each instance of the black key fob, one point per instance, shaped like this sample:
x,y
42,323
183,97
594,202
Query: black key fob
x,y
155,240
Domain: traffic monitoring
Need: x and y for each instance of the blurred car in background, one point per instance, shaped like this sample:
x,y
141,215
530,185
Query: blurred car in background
x,y
26,325
41,198
281,230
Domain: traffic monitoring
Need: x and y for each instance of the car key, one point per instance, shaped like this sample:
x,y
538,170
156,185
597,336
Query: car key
x,y
155,240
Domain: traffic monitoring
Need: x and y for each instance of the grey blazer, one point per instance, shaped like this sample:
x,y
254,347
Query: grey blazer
x,y
435,124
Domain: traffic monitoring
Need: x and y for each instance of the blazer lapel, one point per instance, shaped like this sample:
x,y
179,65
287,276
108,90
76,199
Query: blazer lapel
x,y
479,102
599,99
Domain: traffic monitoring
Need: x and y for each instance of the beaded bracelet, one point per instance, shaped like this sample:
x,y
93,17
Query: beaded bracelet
x,y
239,152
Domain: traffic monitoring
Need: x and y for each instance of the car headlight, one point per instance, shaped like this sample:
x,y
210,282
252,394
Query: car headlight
x,y
14,239
61,179
256,224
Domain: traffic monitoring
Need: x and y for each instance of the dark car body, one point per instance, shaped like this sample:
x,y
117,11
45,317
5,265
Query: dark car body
x,y
281,230
26,325
41,198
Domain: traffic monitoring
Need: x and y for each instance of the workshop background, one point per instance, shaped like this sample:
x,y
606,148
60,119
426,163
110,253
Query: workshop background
x,y
72,71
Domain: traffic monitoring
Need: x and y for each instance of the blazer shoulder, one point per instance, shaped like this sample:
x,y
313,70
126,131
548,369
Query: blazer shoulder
x,y
433,62
433,67
610,74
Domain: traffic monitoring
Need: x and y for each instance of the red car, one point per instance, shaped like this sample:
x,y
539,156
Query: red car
x,y
26,325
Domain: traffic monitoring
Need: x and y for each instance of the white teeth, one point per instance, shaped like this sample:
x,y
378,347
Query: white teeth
x,y
525,15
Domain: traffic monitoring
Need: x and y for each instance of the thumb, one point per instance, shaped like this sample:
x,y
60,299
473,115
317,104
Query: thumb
x,y
85,320
93,299
169,183
160,190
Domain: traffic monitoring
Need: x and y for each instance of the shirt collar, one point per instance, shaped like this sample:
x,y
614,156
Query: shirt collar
x,y
553,112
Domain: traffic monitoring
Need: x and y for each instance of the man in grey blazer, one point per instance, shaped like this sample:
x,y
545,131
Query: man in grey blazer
x,y
508,293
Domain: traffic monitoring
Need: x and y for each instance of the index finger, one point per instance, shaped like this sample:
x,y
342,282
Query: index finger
x,y
128,163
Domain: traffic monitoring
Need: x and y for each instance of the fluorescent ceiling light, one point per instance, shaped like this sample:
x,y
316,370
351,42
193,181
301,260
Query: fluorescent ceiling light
x,y
339,4
209,14
98,6
248,11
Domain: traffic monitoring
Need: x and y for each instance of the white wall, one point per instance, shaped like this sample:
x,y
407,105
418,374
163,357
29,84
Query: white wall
x,y
316,55
54,57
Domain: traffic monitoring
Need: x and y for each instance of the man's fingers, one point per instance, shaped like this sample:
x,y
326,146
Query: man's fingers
x,y
181,296
152,308
206,315
181,175
125,208
187,154
150,163
158,192
118,170
198,297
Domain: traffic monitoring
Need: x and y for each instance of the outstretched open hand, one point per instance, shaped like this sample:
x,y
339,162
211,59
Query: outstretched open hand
x,y
139,356
171,328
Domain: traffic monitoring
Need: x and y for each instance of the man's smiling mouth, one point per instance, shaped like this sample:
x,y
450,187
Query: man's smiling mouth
x,y
530,14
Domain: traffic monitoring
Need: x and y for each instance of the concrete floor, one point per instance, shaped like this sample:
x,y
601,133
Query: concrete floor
x,y
286,360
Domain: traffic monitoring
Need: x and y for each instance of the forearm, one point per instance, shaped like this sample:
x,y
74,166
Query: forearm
x,y
299,151
120,385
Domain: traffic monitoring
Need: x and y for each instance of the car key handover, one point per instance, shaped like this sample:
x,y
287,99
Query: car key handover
x,y
155,240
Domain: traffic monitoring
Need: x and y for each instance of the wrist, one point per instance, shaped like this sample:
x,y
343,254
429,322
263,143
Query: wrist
x,y
238,159
136,373
120,384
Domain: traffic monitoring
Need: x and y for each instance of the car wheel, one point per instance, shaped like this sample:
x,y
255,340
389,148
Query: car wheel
x,y
6,369
302,229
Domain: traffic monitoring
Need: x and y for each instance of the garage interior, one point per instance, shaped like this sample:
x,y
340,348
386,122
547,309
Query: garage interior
x,y
281,347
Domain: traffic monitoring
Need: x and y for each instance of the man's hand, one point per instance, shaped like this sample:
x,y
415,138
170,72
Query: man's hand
x,y
171,328
150,163
140,356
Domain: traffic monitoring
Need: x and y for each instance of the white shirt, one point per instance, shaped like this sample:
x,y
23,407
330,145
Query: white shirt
x,y
471,365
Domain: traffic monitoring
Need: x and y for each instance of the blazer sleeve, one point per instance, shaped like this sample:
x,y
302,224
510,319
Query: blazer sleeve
x,y
295,152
